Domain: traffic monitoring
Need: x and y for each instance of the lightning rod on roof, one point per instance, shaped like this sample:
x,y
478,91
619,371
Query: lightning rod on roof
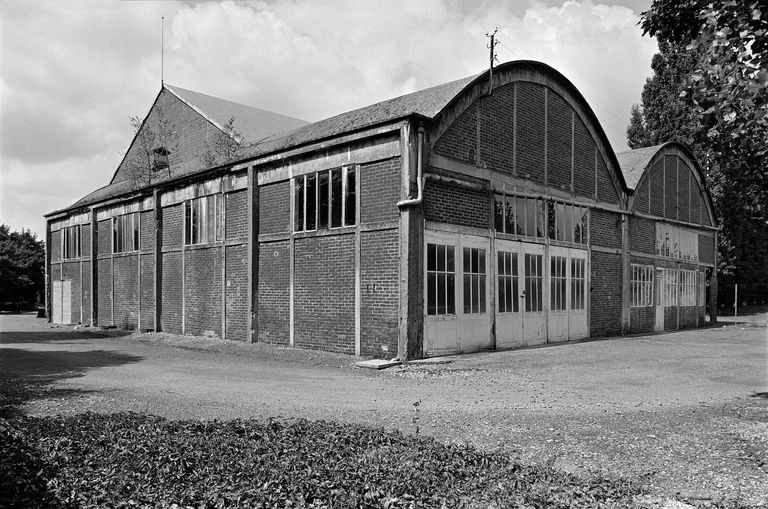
x,y
162,50
492,46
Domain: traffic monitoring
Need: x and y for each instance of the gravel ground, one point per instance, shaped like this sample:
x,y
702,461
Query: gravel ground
x,y
685,412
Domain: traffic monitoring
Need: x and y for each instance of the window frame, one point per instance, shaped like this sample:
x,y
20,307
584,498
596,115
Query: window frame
x,y
641,285
347,202
120,236
447,269
200,207
68,238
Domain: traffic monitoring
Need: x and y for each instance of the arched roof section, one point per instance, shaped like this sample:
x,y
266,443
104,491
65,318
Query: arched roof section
x,y
542,74
636,166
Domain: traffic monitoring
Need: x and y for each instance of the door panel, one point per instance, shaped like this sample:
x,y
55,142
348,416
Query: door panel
x,y
534,294
440,285
56,305
509,319
66,300
577,294
474,315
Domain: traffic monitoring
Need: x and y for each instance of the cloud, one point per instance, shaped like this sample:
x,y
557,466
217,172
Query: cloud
x,y
72,74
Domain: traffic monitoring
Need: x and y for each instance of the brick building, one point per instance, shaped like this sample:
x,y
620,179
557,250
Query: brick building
x,y
456,218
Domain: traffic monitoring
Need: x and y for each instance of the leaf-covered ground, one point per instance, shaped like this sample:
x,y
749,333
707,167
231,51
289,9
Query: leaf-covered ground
x,y
129,459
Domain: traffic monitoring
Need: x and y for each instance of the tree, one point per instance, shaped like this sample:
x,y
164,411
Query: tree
x,y
155,150
225,147
22,266
709,91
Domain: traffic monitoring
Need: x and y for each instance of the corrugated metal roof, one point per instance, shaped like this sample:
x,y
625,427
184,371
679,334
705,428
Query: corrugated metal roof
x,y
634,162
254,124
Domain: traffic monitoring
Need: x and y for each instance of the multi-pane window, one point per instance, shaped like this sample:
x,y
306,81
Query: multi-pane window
x,y
474,280
70,240
557,283
578,283
702,289
642,285
326,199
517,215
675,242
534,277
203,220
508,282
441,280
567,223
125,233
688,287
670,287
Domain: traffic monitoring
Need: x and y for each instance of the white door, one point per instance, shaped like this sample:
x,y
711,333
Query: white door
x,y
440,320
509,295
577,294
558,293
474,315
659,304
56,306
532,308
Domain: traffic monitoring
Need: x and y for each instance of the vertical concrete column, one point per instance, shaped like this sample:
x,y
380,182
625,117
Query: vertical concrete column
x,y
411,233
48,289
253,256
94,269
157,275
625,273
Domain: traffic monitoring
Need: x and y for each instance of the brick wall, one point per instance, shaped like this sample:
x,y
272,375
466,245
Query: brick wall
x,y
706,249
583,161
86,293
641,319
605,189
171,292
379,270
237,215
380,190
530,130
670,187
683,182
605,228
126,291
71,270
605,303
104,237
656,177
447,202
104,299
688,316
460,140
202,291
558,142
147,285
670,318
640,202
696,203
237,293
642,234
173,225
324,293
147,233
497,130
274,208
85,242
274,297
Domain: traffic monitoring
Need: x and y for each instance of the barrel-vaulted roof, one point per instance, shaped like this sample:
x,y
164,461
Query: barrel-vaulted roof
x,y
634,162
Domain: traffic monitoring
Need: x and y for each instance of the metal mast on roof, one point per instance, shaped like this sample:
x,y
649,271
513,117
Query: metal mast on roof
x,y
162,50
494,58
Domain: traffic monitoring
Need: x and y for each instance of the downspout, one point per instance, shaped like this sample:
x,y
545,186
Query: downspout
x,y
419,176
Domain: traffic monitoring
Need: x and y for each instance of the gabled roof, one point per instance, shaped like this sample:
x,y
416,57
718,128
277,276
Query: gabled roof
x,y
254,124
634,162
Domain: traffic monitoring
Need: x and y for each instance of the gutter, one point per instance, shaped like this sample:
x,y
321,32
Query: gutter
x,y
419,176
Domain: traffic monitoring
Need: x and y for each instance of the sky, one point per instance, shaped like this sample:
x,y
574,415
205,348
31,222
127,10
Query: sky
x,y
73,72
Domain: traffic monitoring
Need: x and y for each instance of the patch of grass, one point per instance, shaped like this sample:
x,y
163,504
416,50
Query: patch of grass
x,y
128,460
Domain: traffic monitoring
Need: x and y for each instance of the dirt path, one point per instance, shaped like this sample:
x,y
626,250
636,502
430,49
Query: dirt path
x,y
679,409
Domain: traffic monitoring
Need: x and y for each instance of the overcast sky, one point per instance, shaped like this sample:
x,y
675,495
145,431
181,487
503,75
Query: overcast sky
x,y
72,73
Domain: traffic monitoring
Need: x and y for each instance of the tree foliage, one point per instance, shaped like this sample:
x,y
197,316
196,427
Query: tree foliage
x,y
155,133
22,266
709,91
